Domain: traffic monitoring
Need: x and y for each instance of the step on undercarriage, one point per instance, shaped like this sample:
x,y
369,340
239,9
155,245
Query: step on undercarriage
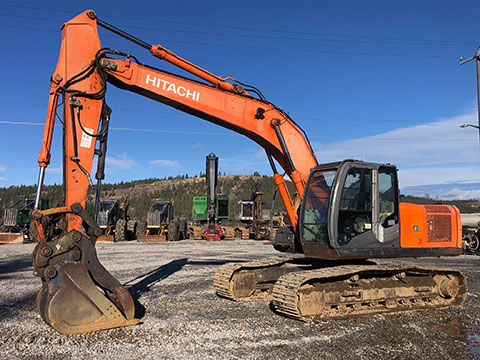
x,y
312,291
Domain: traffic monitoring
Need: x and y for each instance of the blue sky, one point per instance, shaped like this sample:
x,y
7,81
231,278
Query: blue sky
x,y
371,80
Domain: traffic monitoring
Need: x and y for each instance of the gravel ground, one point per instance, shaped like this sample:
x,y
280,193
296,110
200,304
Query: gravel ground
x,y
182,318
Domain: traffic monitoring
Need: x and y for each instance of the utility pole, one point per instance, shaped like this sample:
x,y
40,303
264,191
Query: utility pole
x,y
477,57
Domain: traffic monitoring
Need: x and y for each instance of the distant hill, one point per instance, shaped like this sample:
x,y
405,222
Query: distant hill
x,y
142,193
465,206
455,190
182,189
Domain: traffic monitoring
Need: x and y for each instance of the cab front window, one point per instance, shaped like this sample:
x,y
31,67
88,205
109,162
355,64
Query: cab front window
x,y
315,209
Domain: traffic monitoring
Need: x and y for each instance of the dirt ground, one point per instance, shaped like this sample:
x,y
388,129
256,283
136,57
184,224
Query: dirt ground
x,y
182,318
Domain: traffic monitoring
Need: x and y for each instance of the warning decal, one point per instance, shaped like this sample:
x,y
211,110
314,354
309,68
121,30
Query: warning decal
x,y
86,141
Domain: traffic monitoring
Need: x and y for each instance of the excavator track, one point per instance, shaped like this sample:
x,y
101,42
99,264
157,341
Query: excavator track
x,y
195,233
227,283
229,233
242,233
351,290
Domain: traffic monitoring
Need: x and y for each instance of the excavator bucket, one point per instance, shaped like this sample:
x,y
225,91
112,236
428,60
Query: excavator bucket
x,y
78,294
78,306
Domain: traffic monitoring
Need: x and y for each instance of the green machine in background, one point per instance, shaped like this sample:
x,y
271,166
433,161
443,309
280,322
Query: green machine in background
x,y
209,211
200,208
16,220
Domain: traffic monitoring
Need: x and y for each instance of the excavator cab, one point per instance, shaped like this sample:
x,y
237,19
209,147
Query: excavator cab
x,y
350,205
351,209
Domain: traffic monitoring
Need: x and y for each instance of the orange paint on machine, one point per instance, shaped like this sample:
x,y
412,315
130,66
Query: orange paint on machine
x,y
430,226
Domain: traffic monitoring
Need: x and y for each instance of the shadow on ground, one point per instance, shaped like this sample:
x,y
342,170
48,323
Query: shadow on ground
x,y
137,287
11,308
13,266
142,284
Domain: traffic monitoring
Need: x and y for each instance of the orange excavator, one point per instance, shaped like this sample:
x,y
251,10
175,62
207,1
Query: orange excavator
x,y
350,210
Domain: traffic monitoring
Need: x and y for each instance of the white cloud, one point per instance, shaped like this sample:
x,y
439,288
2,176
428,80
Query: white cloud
x,y
439,142
246,162
122,162
437,175
431,153
459,194
196,145
54,170
3,168
3,178
165,163
467,189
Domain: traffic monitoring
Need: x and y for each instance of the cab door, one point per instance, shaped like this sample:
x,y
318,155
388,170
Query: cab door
x,y
354,218
365,208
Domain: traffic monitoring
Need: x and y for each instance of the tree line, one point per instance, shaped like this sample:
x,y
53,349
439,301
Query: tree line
x,y
142,193
181,190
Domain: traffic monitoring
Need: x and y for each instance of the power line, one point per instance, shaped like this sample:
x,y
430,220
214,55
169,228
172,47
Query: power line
x,y
391,42
235,134
7,122
291,31
251,28
175,131
28,28
20,103
264,48
307,119
20,123
378,120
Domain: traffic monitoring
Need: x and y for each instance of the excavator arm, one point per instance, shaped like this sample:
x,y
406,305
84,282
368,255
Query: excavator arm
x,y
78,294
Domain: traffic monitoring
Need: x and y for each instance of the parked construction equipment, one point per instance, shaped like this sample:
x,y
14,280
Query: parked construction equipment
x,y
114,221
254,216
210,210
349,212
16,224
199,208
471,233
160,225
200,217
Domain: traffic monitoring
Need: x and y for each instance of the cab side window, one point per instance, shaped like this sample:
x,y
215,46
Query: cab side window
x,y
387,196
